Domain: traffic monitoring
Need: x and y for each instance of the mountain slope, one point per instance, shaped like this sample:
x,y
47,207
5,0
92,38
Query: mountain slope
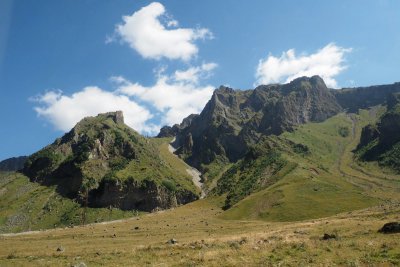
x,y
101,162
13,164
381,141
234,120
353,99
324,181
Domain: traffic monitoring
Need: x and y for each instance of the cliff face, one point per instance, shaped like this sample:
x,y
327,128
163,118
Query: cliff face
x,y
353,99
381,142
233,120
102,162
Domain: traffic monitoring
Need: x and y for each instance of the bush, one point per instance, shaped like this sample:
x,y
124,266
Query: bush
x,y
344,131
301,149
170,185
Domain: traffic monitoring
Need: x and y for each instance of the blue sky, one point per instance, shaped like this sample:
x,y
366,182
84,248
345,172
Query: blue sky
x,y
63,60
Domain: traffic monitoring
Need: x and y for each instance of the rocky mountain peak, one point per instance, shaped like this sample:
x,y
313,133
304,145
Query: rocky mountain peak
x,y
116,116
233,120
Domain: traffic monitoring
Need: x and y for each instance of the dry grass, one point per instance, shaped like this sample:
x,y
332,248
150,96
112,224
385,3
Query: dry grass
x,y
206,240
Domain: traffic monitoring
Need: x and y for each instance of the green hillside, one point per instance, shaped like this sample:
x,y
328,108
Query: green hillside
x,y
26,206
102,162
326,180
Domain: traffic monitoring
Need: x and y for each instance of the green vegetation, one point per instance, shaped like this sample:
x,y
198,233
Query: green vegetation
x,y
204,239
321,182
28,206
102,150
250,174
170,185
381,140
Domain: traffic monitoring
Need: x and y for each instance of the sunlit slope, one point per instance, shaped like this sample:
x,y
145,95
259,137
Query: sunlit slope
x,y
326,180
28,206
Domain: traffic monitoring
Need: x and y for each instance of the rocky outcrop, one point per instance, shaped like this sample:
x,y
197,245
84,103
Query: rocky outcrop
x,y
233,120
13,164
168,131
131,195
381,142
353,99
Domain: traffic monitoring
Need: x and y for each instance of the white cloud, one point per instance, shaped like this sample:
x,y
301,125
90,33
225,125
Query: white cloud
x,y
175,96
65,111
193,74
327,62
145,33
171,99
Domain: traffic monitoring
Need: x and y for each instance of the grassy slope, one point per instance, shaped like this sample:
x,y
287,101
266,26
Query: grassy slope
x,y
29,206
326,182
22,203
164,166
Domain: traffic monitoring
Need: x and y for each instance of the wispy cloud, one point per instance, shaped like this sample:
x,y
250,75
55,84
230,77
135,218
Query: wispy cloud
x,y
155,39
327,62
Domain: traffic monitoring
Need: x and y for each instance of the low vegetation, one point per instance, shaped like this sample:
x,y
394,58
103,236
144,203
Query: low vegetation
x,y
201,238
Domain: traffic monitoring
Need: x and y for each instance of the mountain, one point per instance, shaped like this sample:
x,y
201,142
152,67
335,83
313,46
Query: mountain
x,y
278,153
233,120
381,141
353,99
102,162
250,143
13,164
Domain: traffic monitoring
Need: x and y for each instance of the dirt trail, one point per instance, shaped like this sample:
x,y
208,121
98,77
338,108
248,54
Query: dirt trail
x,y
361,176
196,174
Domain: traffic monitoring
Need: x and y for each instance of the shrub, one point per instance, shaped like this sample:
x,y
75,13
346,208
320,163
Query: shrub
x,y
170,185
344,131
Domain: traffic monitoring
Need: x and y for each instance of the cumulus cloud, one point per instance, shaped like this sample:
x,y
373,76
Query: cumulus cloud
x,y
65,111
171,99
175,96
155,39
327,62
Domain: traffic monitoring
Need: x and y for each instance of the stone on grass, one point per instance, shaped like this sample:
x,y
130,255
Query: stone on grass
x,y
390,228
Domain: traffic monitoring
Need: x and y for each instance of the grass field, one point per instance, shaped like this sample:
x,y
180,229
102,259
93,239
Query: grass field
x,y
204,239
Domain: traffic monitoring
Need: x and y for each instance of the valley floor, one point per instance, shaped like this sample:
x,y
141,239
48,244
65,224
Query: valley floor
x,y
203,239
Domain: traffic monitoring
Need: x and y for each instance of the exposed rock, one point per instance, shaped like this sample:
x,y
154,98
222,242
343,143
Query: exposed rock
x,y
381,141
60,249
172,241
390,228
353,99
328,236
168,131
233,120
146,196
